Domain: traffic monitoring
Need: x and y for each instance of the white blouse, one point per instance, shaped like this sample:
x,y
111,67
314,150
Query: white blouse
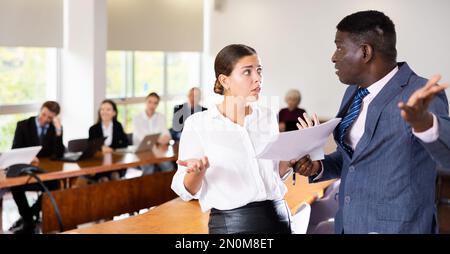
x,y
235,176
108,133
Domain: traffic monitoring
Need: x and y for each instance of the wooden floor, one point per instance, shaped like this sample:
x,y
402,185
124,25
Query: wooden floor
x,y
444,219
180,217
444,207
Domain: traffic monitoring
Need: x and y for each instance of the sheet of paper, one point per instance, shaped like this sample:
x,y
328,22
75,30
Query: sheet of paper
x,y
296,144
18,156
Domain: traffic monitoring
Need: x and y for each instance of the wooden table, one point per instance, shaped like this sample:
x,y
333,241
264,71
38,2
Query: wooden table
x,y
179,217
59,170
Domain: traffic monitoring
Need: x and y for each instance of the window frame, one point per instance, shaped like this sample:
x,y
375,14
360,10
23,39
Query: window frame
x,y
24,108
165,97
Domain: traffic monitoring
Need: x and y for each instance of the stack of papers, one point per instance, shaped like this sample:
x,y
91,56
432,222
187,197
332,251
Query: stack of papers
x,y
293,145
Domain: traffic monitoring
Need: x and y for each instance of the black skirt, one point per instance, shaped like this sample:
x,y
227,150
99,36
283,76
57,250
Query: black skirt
x,y
264,217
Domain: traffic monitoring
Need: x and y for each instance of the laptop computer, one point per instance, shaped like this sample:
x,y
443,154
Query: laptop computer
x,y
146,145
18,156
92,147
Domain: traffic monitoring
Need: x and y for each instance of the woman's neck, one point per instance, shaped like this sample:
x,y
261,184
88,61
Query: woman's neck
x,y
106,123
235,109
292,108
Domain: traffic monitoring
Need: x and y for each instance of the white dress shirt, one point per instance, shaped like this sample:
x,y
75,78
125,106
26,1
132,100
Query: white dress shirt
x,y
235,176
144,125
355,132
108,133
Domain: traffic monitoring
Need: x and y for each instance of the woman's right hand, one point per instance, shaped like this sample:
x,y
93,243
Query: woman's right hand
x,y
198,166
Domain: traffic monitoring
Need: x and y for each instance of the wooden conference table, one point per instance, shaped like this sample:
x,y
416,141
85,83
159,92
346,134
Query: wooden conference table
x,y
64,171
179,217
60,170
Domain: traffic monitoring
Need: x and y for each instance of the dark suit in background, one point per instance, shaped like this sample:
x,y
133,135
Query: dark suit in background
x,y
119,139
26,135
180,114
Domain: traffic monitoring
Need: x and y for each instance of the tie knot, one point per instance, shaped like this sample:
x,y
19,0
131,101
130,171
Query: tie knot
x,y
362,92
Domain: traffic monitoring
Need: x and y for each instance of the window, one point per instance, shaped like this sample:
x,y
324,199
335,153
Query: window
x,y
8,126
116,74
28,77
182,72
148,73
132,75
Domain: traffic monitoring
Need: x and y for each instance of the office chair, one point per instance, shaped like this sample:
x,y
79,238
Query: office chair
x,y
130,138
77,145
324,209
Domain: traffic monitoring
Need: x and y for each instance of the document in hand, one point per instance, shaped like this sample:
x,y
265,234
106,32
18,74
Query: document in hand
x,y
296,144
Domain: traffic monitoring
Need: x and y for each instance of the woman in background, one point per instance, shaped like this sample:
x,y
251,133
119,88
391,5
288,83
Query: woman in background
x,y
108,126
288,117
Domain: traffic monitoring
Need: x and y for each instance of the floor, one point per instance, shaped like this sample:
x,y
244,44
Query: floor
x,y
444,206
11,214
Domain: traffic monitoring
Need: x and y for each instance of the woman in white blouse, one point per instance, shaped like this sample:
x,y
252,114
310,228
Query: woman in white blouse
x,y
217,162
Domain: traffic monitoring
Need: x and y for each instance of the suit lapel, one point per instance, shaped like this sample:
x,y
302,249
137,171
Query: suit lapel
x,y
345,104
376,107
34,132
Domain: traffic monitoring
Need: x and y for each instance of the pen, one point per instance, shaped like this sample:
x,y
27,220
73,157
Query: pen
x,y
293,177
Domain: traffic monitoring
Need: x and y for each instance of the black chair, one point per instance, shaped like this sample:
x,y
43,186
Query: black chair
x,y
130,138
77,145
442,198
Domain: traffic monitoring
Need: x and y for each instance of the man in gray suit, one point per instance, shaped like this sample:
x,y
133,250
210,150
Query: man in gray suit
x,y
395,130
183,111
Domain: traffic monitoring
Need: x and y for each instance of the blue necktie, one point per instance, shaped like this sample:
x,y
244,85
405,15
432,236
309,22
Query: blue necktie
x,y
350,117
42,136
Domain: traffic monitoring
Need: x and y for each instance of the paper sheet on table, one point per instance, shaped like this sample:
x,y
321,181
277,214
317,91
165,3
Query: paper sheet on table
x,y
296,144
18,156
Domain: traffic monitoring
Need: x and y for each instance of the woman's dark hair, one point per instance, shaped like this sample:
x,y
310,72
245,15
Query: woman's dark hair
x,y
113,105
226,59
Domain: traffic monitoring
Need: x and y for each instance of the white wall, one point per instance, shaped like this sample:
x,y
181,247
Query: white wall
x,y
159,25
294,39
31,23
83,65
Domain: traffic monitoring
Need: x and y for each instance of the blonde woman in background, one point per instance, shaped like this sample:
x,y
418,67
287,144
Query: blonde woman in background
x,y
288,117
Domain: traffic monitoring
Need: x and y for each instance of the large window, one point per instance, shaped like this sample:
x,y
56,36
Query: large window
x,y
27,78
131,75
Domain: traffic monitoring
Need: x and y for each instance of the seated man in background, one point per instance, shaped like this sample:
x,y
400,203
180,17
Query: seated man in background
x,y
288,117
183,111
151,122
43,130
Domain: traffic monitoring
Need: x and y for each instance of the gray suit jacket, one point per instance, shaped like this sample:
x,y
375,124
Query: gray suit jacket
x,y
388,186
